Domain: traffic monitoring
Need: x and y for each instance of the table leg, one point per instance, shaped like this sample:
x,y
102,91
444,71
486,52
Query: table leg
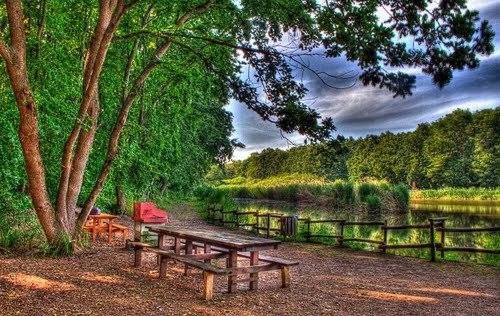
x,y
161,242
208,249
110,230
254,277
189,251
232,262
177,246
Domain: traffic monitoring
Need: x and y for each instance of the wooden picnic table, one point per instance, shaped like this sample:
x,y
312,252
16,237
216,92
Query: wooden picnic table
x,y
219,245
102,223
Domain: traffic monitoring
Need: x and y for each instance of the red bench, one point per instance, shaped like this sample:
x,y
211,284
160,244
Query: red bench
x,y
147,212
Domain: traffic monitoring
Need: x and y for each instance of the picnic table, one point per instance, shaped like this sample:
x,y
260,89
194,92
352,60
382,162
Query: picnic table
x,y
215,245
104,223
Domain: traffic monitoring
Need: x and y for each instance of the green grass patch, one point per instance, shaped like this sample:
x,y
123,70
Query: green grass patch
x,y
472,194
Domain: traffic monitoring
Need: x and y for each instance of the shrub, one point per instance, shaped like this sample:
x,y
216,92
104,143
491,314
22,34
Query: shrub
x,y
310,188
366,189
373,202
19,227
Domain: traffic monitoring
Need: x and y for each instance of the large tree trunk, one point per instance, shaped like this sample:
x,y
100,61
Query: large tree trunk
x,y
28,135
15,61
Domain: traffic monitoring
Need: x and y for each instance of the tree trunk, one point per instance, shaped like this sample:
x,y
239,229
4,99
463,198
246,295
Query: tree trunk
x,y
80,160
15,61
120,199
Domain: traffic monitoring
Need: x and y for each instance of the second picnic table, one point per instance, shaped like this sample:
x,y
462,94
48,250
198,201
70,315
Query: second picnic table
x,y
216,244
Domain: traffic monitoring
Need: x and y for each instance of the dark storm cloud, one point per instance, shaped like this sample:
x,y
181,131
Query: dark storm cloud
x,y
360,110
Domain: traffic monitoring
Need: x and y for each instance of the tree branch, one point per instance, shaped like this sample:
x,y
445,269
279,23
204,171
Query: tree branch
x,y
114,139
109,18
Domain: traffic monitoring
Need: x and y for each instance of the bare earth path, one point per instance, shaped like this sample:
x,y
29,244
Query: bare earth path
x,y
328,281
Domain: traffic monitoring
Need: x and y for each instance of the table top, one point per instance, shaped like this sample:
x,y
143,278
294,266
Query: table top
x,y
103,216
216,238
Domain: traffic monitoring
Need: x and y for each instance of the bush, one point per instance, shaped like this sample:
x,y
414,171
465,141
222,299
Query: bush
x,y
309,188
211,197
19,227
366,189
373,202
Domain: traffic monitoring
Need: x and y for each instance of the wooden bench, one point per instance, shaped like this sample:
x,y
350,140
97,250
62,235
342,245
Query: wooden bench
x,y
209,270
283,264
202,261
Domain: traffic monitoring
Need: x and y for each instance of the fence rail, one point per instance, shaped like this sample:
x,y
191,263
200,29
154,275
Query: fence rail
x,y
263,222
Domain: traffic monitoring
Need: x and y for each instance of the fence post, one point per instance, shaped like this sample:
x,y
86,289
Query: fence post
x,y
443,238
432,244
308,232
340,240
385,236
236,219
257,222
282,226
268,233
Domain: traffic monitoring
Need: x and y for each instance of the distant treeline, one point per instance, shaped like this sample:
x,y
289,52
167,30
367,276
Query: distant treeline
x,y
461,149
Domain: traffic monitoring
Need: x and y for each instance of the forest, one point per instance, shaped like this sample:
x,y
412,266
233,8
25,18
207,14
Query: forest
x,y
461,149
117,136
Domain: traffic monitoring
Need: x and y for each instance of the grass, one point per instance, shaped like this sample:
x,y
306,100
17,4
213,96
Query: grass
x,y
317,190
458,194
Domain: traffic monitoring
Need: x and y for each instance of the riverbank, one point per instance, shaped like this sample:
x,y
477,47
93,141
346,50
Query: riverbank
x,y
457,195
327,281
307,188
325,221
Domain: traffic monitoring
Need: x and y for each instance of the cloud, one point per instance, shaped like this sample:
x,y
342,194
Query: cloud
x,y
360,110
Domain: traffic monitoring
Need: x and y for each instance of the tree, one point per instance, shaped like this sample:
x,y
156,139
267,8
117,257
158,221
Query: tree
x,y
449,36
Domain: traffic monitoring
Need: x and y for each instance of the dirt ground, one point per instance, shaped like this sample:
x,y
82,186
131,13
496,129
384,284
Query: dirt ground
x,y
327,281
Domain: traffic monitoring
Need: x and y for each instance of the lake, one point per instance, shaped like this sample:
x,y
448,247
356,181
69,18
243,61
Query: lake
x,y
476,214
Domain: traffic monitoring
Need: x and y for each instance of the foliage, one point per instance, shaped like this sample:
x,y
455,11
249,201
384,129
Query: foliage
x,y
312,189
461,149
373,202
172,126
457,194
19,228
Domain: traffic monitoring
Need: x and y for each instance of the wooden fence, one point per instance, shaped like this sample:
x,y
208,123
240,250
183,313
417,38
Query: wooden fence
x,y
270,224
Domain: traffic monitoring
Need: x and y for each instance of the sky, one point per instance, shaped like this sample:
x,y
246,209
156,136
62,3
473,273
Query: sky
x,y
360,110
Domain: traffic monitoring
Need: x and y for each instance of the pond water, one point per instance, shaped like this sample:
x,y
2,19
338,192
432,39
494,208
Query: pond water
x,y
457,215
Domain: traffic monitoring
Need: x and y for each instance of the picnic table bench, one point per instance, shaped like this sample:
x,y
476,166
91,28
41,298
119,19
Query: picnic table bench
x,y
104,223
215,245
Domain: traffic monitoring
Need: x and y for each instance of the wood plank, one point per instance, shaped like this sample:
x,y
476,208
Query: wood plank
x,y
246,280
197,264
254,269
399,246
469,229
207,256
472,249
327,221
269,259
326,236
396,227
361,223
363,240
222,239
